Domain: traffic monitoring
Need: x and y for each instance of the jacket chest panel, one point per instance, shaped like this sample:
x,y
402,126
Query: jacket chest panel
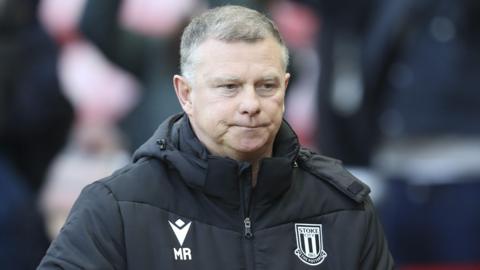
x,y
167,241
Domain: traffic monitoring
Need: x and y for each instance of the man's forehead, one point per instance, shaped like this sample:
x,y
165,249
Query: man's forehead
x,y
217,61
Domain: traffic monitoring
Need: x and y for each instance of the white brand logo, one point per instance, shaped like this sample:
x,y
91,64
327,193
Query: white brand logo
x,y
181,229
309,243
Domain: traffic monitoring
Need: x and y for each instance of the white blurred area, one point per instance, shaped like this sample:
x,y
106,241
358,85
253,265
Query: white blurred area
x,y
158,17
91,154
101,94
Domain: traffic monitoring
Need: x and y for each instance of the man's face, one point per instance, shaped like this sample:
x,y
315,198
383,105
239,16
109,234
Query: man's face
x,y
235,101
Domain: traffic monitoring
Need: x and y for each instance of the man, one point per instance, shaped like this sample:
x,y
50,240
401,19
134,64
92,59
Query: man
x,y
225,185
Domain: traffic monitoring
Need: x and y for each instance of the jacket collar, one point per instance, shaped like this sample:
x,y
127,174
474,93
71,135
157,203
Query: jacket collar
x,y
175,143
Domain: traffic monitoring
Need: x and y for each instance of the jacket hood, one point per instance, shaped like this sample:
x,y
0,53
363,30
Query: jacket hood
x,y
175,143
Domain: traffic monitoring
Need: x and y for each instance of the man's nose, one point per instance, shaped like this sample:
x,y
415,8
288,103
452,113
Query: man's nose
x,y
249,101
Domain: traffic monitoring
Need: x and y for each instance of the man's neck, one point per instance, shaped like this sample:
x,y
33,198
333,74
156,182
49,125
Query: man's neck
x,y
255,169
254,163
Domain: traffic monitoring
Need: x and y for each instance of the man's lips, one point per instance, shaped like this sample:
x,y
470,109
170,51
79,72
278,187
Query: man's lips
x,y
250,126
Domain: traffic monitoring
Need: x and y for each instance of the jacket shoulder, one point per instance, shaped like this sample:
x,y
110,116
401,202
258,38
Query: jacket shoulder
x,y
146,181
332,171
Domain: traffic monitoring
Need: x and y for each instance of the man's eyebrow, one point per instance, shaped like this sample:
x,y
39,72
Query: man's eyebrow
x,y
270,78
224,79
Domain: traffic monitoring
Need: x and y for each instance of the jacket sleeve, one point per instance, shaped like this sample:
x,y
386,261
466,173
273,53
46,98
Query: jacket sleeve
x,y
376,254
92,237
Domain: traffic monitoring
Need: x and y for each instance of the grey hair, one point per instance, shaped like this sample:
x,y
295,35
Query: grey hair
x,y
227,23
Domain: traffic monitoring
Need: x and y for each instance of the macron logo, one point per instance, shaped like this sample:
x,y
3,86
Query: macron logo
x,y
181,229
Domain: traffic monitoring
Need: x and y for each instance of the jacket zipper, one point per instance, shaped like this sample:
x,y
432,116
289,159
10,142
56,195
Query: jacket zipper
x,y
246,204
247,198
248,228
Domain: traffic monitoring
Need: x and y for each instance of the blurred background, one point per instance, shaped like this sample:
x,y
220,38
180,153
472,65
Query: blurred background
x,y
389,87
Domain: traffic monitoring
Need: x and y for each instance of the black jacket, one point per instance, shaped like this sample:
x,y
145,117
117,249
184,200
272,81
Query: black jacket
x,y
177,207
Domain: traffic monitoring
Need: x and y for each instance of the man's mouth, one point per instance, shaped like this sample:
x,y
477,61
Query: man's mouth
x,y
251,126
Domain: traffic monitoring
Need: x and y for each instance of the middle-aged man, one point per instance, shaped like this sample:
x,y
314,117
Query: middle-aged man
x,y
225,185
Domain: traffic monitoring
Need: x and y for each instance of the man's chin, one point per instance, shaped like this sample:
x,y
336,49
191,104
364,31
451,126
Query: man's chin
x,y
250,149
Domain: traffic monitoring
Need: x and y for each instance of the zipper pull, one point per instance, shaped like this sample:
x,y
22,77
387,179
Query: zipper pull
x,y
248,228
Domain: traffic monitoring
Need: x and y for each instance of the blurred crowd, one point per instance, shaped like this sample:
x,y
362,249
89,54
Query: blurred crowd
x,y
388,87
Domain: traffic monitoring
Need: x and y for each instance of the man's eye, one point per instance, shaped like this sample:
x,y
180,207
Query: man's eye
x,y
267,88
229,86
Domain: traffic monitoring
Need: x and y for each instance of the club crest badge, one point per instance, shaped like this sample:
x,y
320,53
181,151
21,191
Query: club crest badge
x,y
309,243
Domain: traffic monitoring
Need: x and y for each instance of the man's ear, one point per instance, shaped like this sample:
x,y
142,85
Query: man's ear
x,y
184,92
287,79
